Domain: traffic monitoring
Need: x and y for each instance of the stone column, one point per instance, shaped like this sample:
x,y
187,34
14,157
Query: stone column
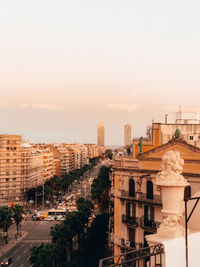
x,y
171,184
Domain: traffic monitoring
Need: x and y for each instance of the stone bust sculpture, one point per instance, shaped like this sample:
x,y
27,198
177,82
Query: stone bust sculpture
x,y
171,169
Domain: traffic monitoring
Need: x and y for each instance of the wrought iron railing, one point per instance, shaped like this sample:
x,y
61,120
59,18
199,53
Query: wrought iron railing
x,y
150,256
144,223
130,220
141,198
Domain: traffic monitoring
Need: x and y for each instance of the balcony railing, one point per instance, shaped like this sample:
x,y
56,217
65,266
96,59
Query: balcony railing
x,y
130,220
141,198
149,224
150,256
130,245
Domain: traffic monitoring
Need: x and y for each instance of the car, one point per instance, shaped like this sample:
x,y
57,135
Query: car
x,y
60,218
6,261
49,218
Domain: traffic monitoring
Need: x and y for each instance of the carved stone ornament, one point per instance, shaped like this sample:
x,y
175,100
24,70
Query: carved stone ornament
x,y
171,169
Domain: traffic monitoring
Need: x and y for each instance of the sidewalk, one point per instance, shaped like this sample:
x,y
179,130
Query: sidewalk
x,y
11,240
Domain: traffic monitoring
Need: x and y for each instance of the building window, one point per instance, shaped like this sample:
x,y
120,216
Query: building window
x,y
14,179
14,148
131,188
7,148
149,190
7,173
132,237
14,160
148,214
191,137
7,179
130,210
8,142
7,161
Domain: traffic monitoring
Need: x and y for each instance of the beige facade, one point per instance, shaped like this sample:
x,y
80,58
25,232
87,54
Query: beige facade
x,y
56,157
100,135
92,150
135,200
64,159
127,135
20,168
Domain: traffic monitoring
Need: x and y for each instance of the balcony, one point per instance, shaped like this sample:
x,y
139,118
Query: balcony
x,y
141,198
151,256
133,221
149,225
130,245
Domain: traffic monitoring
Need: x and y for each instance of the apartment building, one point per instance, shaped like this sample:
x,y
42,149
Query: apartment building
x,y
20,168
56,157
64,159
83,155
92,150
135,206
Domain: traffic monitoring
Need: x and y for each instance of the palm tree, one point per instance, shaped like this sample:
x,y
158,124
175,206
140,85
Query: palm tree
x,y
17,216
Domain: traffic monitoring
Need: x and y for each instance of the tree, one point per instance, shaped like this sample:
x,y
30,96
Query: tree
x,y
100,188
45,255
17,211
95,246
5,220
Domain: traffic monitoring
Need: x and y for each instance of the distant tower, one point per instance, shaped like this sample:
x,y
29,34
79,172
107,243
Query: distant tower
x,y
100,134
127,135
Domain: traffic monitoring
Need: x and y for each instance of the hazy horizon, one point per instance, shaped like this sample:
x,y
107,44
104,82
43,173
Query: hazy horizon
x,y
68,65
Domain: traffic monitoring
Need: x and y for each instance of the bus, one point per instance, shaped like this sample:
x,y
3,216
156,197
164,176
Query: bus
x,y
55,213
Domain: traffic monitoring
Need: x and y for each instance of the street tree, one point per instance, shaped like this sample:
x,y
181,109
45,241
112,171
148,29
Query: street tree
x,y
17,212
5,220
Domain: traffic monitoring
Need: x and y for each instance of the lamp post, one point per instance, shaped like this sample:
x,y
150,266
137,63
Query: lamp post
x,y
43,195
187,197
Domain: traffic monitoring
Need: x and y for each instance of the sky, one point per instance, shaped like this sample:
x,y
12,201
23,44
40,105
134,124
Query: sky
x,y
67,65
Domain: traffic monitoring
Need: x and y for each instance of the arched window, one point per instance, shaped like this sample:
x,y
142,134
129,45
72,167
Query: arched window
x,y
131,188
149,190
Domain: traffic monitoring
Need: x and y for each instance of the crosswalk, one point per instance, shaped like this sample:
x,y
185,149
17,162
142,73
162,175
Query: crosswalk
x,y
36,241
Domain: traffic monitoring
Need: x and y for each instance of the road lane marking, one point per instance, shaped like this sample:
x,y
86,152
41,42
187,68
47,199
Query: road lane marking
x,y
22,265
18,257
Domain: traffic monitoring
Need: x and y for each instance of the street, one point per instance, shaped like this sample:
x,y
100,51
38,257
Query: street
x,y
39,231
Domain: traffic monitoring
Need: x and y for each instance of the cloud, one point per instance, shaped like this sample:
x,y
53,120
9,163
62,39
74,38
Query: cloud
x,y
43,106
121,107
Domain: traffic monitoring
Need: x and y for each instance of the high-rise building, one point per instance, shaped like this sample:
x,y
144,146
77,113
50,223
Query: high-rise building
x,y
100,134
127,135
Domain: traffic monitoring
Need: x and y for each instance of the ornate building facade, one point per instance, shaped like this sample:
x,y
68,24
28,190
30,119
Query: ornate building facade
x,y
135,206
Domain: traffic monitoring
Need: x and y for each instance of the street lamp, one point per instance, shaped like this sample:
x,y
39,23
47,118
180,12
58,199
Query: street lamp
x,y
187,197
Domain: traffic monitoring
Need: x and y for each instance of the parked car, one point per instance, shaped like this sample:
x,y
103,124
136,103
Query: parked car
x,y
60,218
49,218
36,217
6,262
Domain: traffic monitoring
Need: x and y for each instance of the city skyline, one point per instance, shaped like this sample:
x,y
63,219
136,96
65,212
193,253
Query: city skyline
x,y
82,63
